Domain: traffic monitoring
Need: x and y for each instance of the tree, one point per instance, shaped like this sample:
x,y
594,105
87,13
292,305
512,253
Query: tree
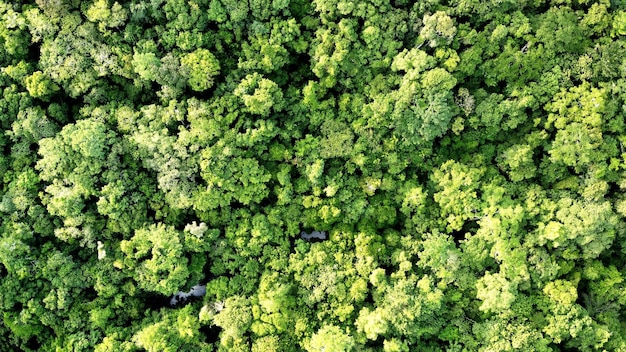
x,y
438,29
155,254
202,67
589,228
496,292
175,331
330,338
260,94
456,193
146,65
235,318
39,86
560,31
107,17
73,162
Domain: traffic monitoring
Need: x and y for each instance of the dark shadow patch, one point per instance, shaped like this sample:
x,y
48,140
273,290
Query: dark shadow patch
x,y
469,228
211,333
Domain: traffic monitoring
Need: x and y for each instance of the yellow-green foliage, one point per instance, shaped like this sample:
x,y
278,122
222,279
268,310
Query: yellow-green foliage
x,y
312,175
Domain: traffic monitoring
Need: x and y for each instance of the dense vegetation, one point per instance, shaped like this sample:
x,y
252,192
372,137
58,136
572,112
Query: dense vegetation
x,y
465,157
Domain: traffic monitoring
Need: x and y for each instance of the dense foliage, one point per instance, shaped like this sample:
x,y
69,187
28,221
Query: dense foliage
x,y
465,158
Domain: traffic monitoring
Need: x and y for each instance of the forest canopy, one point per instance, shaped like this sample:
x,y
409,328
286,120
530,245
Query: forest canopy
x,y
313,175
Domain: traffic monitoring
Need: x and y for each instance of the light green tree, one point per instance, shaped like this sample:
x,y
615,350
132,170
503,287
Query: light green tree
x,y
330,338
156,257
202,67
